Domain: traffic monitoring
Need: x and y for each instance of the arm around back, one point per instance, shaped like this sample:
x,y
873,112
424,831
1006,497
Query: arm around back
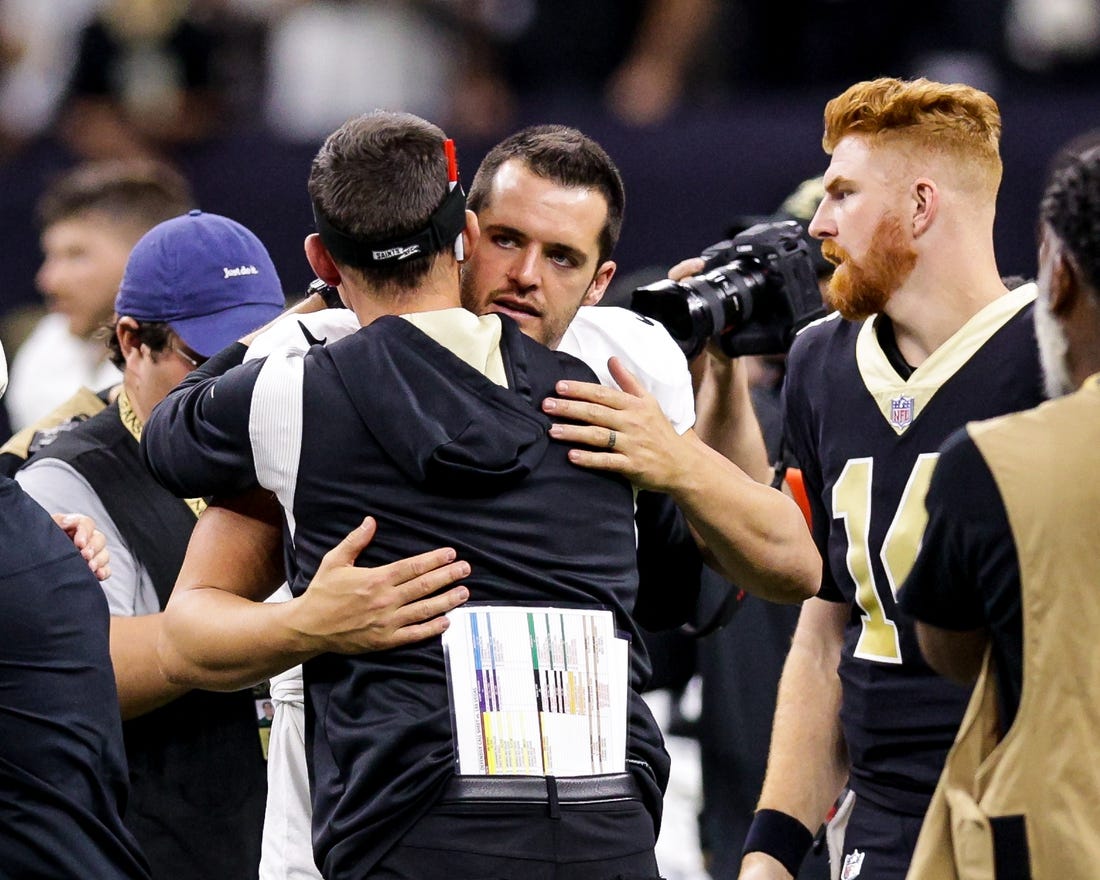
x,y
754,534
218,635
131,599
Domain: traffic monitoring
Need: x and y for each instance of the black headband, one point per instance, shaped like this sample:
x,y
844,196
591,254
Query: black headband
x,y
445,224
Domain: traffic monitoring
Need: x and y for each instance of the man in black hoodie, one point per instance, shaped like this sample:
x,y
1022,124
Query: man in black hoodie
x,y
429,419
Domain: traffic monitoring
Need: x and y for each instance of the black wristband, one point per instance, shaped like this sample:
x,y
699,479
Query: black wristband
x,y
780,836
329,294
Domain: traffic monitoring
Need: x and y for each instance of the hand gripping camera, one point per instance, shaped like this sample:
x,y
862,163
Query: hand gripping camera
x,y
756,292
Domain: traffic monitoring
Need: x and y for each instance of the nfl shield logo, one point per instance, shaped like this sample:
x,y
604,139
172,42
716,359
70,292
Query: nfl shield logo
x,y
853,864
901,412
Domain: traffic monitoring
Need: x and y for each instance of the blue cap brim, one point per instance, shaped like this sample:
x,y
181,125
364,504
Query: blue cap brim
x,y
206,335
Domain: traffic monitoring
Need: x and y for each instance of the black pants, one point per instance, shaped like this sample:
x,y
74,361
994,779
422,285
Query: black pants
x,y
503,841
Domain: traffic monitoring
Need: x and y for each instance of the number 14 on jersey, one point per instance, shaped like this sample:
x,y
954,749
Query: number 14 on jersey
x,y
878,639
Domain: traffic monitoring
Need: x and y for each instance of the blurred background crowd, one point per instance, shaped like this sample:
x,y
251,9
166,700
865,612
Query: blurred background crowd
x,y
710,108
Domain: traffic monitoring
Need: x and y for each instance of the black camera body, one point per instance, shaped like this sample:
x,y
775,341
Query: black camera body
x,y
756,292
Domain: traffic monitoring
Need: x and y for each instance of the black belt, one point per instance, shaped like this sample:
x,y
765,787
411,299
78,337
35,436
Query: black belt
x,y
543,789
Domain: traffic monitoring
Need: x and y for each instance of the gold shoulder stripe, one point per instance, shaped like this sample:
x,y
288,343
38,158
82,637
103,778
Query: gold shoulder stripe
x,y
135,425
901,401
84,403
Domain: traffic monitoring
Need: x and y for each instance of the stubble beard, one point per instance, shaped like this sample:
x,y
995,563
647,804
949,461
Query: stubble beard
x,y
543,332
471,302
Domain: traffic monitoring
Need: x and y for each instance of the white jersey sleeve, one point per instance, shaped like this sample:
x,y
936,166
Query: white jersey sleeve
x,y
286,850
598,333
290,332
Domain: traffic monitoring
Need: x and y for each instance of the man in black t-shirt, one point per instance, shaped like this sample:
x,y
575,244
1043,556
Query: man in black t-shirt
x,y
63,781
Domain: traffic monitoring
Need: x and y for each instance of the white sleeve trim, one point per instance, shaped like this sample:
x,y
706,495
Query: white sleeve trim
x,y
275,427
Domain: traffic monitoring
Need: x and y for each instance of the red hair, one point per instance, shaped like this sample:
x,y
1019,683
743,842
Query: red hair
x,y
957,120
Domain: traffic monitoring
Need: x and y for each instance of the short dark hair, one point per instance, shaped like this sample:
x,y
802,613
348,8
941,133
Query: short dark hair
x,y
136,192
381,176
562,155
155,334
1071,208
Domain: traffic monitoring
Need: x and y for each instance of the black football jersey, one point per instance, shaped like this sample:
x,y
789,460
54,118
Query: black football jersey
x,y
867,440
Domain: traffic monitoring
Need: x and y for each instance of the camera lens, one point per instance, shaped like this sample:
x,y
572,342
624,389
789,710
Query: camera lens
x,y
731,288
680,309
702,306
759,288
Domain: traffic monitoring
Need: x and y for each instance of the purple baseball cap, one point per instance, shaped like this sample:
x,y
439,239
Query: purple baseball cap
x,y
207,276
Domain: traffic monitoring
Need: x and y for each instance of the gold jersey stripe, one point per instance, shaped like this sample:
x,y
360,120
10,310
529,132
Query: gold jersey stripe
x,y
134,425
886,386
84,403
